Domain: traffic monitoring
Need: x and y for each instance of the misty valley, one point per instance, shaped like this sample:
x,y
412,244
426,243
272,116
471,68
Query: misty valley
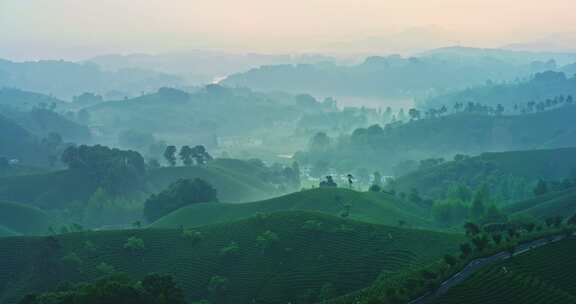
x,y
411,170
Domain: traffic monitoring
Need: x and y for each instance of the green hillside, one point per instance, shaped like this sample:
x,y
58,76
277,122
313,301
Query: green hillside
x,y
235,180
199,115
545,275
21,219
25,100
57,189
370,207
290,256
49,190
17,142
540,87
445,136
513,173
6,232
558,203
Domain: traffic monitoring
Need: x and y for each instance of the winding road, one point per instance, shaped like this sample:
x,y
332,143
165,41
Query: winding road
x,y
475,265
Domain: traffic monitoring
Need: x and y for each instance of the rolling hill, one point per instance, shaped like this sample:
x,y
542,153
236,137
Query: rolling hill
x,y
21,219
57,189
66,79
199,116
41,122
446,136
380,208
514,173
540,87
16,142
393,77
544,275
297,257
235,180
24,100
6,232
558,203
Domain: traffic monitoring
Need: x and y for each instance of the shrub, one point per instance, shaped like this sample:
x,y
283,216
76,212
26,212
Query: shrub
x,y
375,188
218,285
72,259
105,269
312,225
192,235
231,250
267,239
450,260
327,292
134,244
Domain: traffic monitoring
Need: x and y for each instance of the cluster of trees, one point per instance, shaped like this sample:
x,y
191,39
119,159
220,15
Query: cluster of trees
x,y
463,204
479,108
328,182
88,99
102,209
117,288
518,108
117,171
496,234
179,194
544,91
187,155
543,187
285,178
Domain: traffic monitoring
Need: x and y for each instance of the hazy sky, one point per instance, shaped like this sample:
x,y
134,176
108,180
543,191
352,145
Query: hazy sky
x,y
78,28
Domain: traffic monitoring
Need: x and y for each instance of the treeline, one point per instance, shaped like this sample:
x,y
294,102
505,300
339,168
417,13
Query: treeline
x,y
521,97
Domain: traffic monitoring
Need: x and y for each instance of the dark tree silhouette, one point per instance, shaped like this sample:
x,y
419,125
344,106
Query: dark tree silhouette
x,y
179,194
350,180
328,183
541,188
200,154
170,155
186,155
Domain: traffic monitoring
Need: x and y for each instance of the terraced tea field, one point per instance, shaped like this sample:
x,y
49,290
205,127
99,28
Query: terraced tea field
x,y
379,208
298,257
544,275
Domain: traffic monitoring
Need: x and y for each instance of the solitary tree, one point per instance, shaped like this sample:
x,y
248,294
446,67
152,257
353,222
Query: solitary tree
x,y
350,180
377,179
414,114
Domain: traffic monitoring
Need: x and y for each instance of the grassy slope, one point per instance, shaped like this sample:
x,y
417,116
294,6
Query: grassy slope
x,y
17,142
545,275
6,232
560,203
47,190
55,189
312,249
365,206
24,219
233,179
552,164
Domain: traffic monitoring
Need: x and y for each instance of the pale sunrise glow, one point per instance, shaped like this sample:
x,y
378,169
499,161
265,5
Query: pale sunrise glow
x,y
81,28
